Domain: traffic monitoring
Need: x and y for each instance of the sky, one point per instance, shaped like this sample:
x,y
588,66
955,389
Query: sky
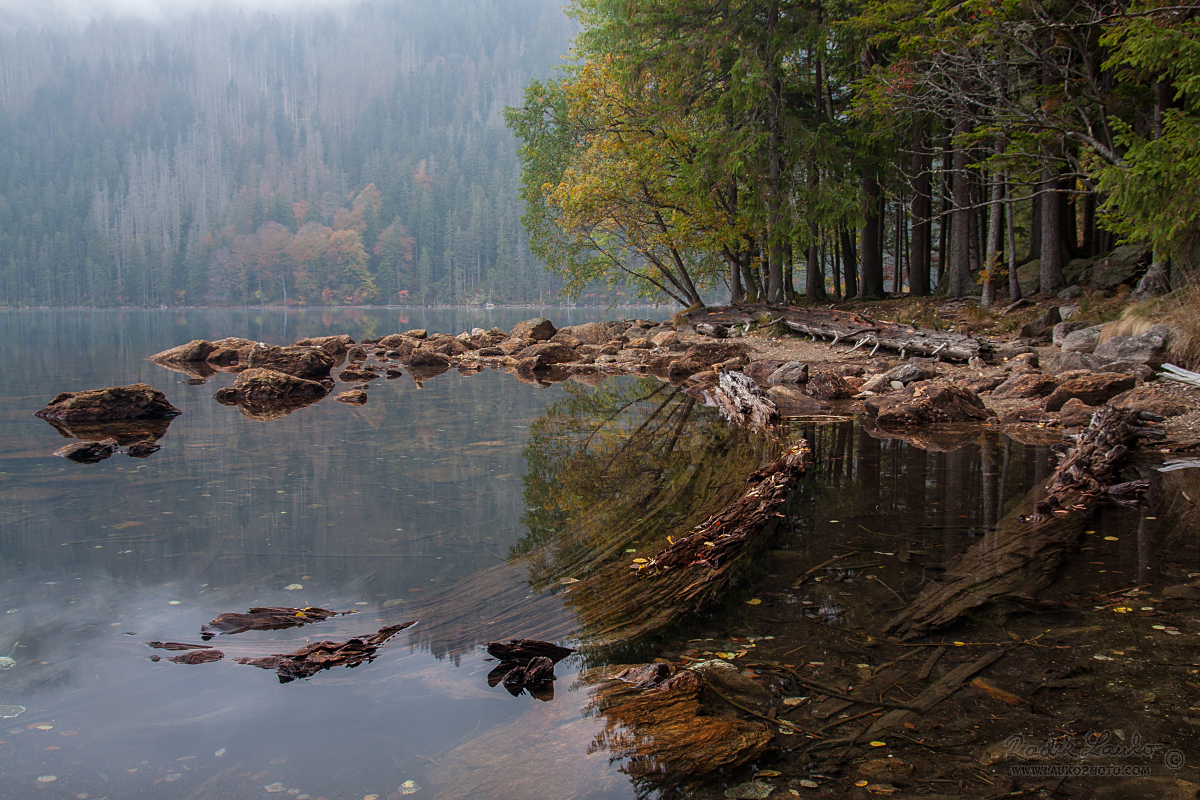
x,y
38,13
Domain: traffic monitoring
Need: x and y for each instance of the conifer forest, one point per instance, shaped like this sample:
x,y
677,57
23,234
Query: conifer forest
x,y
325,154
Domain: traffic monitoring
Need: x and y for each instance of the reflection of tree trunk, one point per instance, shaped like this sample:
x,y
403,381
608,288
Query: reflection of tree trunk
x,y
1030,543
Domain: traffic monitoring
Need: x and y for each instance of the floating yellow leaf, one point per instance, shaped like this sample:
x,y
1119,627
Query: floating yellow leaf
x,y
1122,610
301,615
878,744
640,561
769,773
753,602
1110,539
860,783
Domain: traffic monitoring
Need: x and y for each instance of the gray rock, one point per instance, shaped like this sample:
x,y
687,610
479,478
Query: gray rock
x,y
1068,311
791,372
1065,362
1149,348
1042,325
715,331
1122,265
914,370
1070,293
1062,329
876,384
1080,340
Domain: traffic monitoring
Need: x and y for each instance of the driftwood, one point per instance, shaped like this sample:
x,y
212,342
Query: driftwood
x,y
742,401
522,651
178,646
198,657
267,619
716,542
863,332
317,656
1021,557
536,677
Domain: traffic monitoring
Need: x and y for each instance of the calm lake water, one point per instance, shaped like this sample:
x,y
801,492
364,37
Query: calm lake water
x,y
412,507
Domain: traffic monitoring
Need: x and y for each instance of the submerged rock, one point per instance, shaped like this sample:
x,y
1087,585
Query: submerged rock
x,y
136,401
265,394
195,350
87,452
143,449
357,397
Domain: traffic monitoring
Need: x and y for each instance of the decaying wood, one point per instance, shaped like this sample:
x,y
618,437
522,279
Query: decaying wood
x,y
714,543
198,657
742,401
522,651
178,646
535,677
662,732
317,656
869,692
267,619
844,326
1032,541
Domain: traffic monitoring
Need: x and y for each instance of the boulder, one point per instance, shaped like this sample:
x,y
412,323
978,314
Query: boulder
x,y
298,361
710,329
825,384
515,345
1080,340
1042,326
143,449
876,384
447,346
87,452
415,333
1025,384
267,387
791,402
791,372
1060,331
356,354
1149,348
334,345
668,339
982,383
355,397
759,371
420,357
1075,414
195,350
1123,265
640,343
927,402
397,341
549,353
915,370
588,333
354,375
1066,362
1152,399
538,328
709,353
116,403
1094,389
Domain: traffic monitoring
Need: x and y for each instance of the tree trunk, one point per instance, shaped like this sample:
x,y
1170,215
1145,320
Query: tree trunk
x,y
1052,227
919,251
849,262
1035,224
991,266
960,230
814,284
1014,285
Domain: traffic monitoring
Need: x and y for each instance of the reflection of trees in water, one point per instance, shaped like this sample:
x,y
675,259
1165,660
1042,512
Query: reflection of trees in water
x,y
618,469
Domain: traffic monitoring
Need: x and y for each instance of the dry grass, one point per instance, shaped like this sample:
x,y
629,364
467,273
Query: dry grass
x,y
1180,310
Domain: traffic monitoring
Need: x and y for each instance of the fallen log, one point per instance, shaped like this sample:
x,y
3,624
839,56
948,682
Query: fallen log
x,y
742,401
522,651
317,656
714,543
863,331
270,618
1022,556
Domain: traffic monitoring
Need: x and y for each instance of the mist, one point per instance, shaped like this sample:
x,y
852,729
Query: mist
x,y
65,14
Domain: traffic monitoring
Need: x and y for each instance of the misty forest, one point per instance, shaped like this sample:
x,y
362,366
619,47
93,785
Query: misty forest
x,y
236,158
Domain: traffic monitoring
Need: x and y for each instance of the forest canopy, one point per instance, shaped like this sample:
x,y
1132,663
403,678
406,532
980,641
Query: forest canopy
x,y
317,157
807,150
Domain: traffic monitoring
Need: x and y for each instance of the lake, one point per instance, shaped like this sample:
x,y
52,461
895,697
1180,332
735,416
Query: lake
x,y
469,504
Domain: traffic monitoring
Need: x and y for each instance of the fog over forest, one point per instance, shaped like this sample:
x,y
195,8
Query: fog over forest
x,y
156,153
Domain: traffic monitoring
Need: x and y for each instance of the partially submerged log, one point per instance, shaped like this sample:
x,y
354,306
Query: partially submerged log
x,y
317,656
267,618
714,543
522,651
1022,556
536,677
743,401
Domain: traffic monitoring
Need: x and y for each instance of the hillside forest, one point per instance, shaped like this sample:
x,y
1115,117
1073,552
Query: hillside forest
x,y
327,156
814,151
